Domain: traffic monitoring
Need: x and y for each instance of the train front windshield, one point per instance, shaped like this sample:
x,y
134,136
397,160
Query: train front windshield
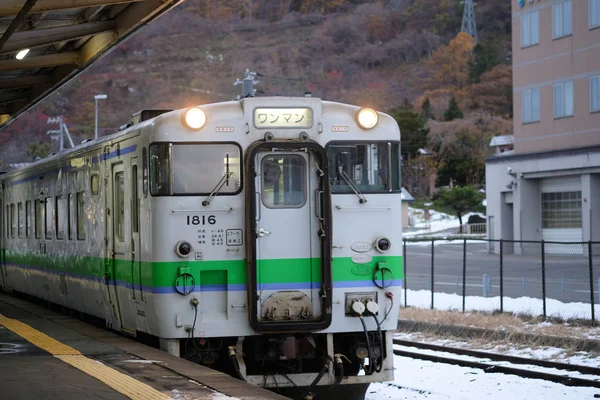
x,y
194,169
369,167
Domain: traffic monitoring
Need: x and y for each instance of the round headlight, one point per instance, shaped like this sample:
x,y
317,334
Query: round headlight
x,y
383,244
183,249
194,118
367,118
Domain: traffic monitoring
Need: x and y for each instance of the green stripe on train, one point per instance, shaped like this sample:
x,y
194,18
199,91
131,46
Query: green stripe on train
x,y
163,274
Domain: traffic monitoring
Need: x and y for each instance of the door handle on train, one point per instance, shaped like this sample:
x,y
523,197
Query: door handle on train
x,y
318,196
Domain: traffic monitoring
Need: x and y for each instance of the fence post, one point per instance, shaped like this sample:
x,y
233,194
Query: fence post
x,y
405,274
432,269
544,278
501,276
591,279
464,271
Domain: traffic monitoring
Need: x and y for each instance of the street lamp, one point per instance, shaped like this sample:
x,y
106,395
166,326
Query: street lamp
x,y
96,98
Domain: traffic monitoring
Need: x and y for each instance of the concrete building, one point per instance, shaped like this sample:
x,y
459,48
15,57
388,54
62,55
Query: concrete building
x,y
548,187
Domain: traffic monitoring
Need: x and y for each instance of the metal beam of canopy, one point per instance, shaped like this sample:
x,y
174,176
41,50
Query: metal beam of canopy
x,y
59,39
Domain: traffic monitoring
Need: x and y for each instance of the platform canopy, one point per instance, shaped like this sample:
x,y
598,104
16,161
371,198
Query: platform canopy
x,y
64,37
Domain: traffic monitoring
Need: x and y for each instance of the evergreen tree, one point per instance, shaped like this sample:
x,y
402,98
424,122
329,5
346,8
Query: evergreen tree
x,y
486,55
462,200
453,112
413,131
426,110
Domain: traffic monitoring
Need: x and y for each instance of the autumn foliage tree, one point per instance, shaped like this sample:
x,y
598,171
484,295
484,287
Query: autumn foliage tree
x,y
494,92
448,66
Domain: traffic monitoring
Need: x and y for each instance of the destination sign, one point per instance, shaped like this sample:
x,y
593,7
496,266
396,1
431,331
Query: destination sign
x,y
283,118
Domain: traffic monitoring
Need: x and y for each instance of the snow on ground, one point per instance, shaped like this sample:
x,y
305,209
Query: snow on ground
x,y
417,379
438,221
521,305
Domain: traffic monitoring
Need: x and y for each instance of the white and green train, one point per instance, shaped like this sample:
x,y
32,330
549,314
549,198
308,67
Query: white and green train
x,y
260,236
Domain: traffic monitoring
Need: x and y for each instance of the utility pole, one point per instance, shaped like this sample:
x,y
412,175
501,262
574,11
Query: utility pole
x,y
59,134
469,24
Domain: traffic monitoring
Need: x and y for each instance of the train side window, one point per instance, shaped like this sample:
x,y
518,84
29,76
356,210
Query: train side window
x,y
59,216
21,219
120,206
69,216
145,171
39,211
13,221
81,216
7,221
28,219
95,184
135,219
48,217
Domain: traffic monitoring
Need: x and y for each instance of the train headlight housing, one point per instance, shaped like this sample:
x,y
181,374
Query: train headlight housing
x,y
194,118
183,249
382,244
367,118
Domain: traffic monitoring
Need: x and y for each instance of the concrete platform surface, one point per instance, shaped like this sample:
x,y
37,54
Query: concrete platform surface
x,y
47,355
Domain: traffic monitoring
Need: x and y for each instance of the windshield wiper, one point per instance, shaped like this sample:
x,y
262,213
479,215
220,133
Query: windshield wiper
x,y
217,188
220,184
361,198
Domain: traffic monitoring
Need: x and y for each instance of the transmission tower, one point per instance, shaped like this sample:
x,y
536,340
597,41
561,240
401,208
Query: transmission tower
x,y
469,25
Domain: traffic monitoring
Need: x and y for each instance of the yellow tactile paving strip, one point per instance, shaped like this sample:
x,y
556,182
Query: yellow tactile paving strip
x,y
122,383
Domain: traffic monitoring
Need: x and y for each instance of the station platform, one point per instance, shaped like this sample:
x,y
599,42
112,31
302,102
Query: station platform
x,y
48,355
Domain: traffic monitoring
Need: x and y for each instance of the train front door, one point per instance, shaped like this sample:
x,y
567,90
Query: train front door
x,y
120,244
291,274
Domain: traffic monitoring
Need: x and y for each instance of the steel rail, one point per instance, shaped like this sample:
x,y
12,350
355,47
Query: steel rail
x,y
491,368
501,357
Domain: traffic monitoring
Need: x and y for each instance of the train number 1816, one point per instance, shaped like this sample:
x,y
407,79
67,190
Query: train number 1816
x,y
201,220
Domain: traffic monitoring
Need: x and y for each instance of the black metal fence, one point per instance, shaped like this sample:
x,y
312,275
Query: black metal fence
x,y
549,279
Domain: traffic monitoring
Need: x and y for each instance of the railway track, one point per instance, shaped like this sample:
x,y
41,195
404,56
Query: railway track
x,y
491,358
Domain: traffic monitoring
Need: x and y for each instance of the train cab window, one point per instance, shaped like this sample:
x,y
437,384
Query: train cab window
x,y
21,218
80,216
95,184
39,211
195,169
366,167
13,221
120,206
28,219
283,181
48,217
60,213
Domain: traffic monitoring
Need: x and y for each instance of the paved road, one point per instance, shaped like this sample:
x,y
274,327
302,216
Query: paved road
x,y
567,277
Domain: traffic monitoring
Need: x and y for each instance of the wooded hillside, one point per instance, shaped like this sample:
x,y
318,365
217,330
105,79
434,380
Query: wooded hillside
x,y
400,56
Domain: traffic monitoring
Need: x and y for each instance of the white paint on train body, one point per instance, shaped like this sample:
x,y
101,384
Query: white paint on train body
x,y
288,210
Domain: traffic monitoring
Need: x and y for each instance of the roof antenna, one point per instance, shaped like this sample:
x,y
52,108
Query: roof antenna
x,y
248,83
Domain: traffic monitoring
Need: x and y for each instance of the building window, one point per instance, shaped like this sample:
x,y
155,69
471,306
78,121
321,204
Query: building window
x,y
561,210
531,105
530,30
595,94
562,20
563,100
594,14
